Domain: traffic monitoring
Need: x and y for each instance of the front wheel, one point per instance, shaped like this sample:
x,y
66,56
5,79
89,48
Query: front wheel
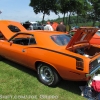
x,y
47,75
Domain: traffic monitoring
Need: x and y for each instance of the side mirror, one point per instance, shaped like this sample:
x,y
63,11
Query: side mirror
x,y
11,42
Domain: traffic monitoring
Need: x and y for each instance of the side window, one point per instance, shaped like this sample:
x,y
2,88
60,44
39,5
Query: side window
x,y
14,28
34,24
24,39
1,36
32,41
61,39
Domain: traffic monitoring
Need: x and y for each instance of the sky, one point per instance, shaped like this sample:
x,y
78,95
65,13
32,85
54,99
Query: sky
x,y
19,10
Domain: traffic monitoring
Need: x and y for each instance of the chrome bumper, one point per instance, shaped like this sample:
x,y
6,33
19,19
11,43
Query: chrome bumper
x,y
93,72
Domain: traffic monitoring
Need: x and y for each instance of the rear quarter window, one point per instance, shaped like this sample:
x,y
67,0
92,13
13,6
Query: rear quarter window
x,y
61,39
14,28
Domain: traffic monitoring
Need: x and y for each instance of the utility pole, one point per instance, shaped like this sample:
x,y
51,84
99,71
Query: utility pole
x,y
0,12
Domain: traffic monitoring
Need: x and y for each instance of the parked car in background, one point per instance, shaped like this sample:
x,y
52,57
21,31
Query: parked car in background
x,y
35,26
53,55
96,38
72,32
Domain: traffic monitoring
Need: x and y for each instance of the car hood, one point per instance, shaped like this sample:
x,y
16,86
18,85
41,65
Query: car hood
x,y
6,31
83,35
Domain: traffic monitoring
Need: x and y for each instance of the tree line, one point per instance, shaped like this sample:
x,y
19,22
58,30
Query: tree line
x,y
86,10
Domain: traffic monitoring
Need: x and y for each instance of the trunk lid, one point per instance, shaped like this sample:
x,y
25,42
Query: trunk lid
x,y
83,35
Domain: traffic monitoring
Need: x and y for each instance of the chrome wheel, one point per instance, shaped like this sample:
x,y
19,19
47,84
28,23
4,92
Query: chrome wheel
x,y
46,74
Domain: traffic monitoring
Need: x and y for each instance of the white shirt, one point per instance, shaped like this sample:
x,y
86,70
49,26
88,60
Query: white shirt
x,y
31,27
48,27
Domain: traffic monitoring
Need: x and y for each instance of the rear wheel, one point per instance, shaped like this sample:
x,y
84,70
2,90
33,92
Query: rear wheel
x,y
47,75
1,57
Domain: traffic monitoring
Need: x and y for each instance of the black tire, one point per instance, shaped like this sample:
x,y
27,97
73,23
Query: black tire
x,y
47,75
1,58
39,28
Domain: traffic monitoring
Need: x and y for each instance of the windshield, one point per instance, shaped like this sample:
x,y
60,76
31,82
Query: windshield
x,y
61,39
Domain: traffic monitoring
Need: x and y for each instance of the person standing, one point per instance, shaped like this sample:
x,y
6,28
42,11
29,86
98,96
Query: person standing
x,y
61,27
48,26
31,26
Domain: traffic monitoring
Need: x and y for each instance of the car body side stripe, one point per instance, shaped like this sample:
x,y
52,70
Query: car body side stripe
x,y
79,59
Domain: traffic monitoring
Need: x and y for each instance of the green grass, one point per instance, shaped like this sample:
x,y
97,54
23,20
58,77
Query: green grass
x,y
20,83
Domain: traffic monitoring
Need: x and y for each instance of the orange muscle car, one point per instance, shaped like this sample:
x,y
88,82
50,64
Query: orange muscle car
x,y
52,54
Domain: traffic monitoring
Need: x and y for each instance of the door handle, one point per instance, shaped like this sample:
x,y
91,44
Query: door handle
x,y
23,50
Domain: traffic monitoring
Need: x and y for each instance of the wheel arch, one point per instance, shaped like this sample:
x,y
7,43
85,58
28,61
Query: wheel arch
x,y
41,62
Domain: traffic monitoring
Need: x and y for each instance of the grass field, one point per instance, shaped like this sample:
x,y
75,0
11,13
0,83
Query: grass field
x,y
20,83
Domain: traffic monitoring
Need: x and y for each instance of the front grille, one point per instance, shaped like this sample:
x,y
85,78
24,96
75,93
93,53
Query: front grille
x,y
93,65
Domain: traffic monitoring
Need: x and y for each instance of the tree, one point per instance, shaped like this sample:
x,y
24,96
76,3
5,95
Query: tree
x,y
44,6
63,7
83,8
95,13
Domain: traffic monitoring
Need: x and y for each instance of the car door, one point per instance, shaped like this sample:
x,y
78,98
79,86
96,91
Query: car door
x,y
14,50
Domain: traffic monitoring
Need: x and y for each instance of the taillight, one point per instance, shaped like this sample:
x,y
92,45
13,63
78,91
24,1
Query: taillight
x,y
89,67
79,65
